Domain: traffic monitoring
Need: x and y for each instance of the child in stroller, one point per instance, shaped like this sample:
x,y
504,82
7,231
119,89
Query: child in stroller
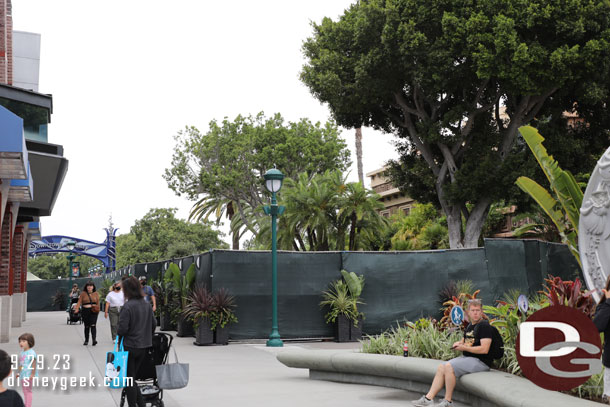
x,y
147,375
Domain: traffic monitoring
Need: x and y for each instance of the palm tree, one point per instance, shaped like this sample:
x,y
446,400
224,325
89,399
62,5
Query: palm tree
x,y
359,154
361,207
209,205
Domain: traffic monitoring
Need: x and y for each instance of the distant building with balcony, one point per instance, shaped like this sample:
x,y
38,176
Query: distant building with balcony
x,y
393,200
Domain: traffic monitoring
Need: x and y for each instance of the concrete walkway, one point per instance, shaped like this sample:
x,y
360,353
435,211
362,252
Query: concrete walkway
x,y
240,374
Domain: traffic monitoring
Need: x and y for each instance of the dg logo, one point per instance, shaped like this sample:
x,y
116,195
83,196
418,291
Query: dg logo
x,y
558,348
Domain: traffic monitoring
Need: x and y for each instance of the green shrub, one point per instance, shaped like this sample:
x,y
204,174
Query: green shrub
x,y
592,388
424,338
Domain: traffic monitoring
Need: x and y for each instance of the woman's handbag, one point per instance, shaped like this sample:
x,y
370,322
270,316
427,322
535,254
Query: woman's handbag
x,y
173,375
116,366
94,307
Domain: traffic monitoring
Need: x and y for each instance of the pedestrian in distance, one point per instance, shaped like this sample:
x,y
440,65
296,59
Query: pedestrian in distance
x,y
602,322
8,397
136,326
74,294
475,345
27,366
149,293
114,301
89,299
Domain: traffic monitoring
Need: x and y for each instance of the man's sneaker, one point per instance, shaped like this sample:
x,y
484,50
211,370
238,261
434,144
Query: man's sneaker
x,y
422,402
445,403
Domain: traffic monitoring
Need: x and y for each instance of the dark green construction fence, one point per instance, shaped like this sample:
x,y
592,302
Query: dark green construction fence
x,y
398,285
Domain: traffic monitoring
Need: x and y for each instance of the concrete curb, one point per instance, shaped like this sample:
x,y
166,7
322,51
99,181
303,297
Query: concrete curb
x,y
494,389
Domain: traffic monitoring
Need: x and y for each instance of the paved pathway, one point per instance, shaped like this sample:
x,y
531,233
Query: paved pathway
x,y
240,374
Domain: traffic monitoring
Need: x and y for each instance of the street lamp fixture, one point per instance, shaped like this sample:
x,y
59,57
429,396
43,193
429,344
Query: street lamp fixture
x,y
71,245
273,182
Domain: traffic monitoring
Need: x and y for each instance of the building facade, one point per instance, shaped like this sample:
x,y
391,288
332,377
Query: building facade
x,y
32,170
393,200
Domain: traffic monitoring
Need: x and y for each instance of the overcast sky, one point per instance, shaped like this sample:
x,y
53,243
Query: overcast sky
x,y
127,75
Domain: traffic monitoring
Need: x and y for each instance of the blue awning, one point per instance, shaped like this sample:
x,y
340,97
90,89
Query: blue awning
x,y
22,190
13,152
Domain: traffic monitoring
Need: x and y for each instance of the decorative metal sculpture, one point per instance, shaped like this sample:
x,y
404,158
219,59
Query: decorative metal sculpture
x,y
594,230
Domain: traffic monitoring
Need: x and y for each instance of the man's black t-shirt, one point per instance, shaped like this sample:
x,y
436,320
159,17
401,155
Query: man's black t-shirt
x,y
10,398
474,334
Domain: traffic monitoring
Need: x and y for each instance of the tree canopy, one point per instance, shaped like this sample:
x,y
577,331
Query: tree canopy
x,y
49,267
454,81
160,235
227,163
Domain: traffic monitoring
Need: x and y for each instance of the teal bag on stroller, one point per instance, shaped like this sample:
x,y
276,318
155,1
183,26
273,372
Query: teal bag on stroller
x,y
116,366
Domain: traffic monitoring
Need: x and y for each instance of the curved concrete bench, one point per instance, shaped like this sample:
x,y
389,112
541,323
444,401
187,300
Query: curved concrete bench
x,y
494,388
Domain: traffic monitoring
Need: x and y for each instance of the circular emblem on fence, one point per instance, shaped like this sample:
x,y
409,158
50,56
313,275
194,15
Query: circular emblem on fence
x,y
457,315
558,348
594,227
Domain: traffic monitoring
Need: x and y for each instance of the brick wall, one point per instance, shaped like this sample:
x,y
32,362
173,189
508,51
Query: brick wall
x,y
17,258
24,265
6,42
5,252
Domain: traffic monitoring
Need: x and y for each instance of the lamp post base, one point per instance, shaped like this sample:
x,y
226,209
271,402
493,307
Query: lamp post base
x,y
274,340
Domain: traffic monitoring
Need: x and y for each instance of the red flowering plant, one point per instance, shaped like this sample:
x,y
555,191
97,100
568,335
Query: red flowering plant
x,y
462,301
569,293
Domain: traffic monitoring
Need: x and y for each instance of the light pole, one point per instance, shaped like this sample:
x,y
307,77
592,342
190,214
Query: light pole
x,y
70,245
273,182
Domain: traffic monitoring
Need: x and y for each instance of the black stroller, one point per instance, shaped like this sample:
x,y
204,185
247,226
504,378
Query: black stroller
x,y
146,378
73,317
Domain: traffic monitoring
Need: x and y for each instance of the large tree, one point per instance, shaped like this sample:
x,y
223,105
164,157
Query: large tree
x,y
226,164
454,81
160,235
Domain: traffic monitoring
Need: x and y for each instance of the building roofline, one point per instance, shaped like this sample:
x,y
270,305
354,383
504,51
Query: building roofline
x,y
27,96
377,171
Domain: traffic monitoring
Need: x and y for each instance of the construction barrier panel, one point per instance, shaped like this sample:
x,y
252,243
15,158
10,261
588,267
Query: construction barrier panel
x,y
399,286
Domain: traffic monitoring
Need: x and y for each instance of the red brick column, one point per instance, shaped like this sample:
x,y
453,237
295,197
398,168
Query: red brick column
x,y
17,258
6,42
24,265
6,280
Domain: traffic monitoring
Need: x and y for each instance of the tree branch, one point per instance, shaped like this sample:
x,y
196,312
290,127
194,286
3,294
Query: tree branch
x,y
449,162
402,102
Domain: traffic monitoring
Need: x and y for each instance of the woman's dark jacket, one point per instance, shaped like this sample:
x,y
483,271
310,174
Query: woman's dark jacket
x,y
136,324
602,322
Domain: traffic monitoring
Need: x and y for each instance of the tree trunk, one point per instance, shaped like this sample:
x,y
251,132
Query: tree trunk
x,y
230,214
475,223
352,231
359,154
454,224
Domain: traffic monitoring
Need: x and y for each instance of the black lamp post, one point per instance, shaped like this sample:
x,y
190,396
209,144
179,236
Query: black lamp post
x,y
70,245
273,182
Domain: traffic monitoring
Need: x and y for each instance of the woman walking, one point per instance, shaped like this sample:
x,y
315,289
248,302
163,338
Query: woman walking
x,y
136,327
114,301
89,299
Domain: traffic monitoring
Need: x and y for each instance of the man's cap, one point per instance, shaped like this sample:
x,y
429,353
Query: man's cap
x,y
142,278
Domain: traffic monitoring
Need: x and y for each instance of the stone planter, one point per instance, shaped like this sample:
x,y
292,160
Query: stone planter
x,y
166,322
342,329
204,334
185,327
221,335
355,332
